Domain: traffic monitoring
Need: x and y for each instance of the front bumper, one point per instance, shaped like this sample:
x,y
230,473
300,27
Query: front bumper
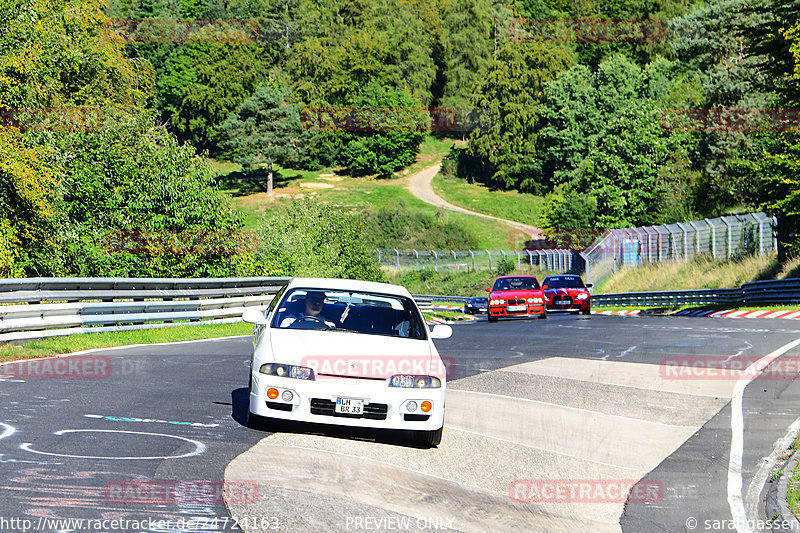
x,y
314,401
502,311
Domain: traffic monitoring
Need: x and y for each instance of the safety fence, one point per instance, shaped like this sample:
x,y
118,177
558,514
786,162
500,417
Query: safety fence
x,y
557,260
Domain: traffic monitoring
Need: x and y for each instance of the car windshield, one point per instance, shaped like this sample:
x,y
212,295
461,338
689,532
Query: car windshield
x,y
350,311
480,300
515,284
572,282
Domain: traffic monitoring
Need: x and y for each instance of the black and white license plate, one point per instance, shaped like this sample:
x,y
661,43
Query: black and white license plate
x,y
349,406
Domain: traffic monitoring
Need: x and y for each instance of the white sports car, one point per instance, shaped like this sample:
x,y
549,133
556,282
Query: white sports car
x,y
347,352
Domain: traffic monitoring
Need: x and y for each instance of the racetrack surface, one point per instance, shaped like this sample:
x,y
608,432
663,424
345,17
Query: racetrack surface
x,y
569,399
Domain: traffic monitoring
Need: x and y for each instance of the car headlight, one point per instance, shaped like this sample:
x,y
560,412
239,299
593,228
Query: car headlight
x,y
534,300
497,302
287,371
407,381
582,296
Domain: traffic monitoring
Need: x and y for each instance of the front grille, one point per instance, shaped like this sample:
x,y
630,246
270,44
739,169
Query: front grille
x,y
516,302
372,411
562,301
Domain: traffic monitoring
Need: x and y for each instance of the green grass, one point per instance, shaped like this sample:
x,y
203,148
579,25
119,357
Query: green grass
x,y
509,205
248,192
700,273
86,341
793,494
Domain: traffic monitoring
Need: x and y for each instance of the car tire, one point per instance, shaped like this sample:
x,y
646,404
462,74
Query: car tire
x,y
543,315
254,421
492,318
429,439
586,311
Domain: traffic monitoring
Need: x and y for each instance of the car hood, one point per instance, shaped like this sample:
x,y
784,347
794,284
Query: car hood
x,y
570,291
353,354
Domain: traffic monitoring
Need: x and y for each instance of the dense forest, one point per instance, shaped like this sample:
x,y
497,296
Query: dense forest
x,y
620,113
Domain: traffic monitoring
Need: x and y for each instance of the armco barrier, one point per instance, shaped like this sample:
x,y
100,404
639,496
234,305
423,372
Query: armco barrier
x,y
34,308
777,292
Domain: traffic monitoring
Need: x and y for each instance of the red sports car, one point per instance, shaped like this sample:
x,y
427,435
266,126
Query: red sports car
x,y
516,296
567,292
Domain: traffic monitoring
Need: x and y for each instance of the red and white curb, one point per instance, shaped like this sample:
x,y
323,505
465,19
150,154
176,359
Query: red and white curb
x,y
727,313
622,313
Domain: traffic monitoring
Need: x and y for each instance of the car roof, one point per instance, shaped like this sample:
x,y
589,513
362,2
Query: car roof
x,y
517,276
349,285
557,276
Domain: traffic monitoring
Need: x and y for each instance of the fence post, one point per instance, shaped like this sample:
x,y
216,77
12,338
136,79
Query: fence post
x,y
774,234
519,261
586,262
379,255
473,259
504,255
396,251
730,236
760,237
490,259
539,259
530,258
455,263
416,254
685,243
436,257
696,237
713,238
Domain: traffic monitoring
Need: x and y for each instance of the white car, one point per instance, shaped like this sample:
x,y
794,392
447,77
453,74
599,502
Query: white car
x,y
347,352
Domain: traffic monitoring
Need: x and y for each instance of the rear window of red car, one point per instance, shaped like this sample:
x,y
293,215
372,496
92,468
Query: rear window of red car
x,y
564,283
516,284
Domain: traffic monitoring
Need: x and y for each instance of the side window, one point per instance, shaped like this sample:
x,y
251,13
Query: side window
x,y
277,299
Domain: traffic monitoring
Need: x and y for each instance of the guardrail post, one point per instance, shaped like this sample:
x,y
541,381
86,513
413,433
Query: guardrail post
x,y
473,259
436,257
490,259
416,254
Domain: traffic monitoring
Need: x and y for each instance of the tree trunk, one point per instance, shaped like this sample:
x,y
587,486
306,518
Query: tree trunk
x,y
269,176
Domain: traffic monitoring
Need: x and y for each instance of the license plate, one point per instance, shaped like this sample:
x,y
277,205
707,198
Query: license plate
x,y
349,406
514,308
562,302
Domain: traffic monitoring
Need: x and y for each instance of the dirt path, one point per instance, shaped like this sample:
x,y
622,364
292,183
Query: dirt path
x,y
420,186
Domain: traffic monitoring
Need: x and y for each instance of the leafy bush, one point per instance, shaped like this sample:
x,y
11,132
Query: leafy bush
x,y
398,225
309,238
506,267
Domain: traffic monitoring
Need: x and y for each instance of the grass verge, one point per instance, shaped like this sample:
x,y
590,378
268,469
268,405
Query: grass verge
x,y
700,273
509,205
86,341
793,493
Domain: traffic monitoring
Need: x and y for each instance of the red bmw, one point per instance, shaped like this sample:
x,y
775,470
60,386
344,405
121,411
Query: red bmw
x,y
567,292
516,296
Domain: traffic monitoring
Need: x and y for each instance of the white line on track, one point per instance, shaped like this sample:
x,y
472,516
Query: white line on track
x,y
735,501
7,431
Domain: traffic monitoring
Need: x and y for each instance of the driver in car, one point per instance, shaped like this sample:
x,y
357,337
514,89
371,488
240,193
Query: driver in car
x,y
311,313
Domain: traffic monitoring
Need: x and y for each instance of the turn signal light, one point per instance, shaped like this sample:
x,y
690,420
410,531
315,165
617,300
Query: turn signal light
x,y
426,406
272,394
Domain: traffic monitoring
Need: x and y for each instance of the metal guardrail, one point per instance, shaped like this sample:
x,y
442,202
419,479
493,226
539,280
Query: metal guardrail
x,y
48,307
776,292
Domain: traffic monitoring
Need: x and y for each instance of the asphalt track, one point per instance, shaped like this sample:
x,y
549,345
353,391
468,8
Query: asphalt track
x,y
133,435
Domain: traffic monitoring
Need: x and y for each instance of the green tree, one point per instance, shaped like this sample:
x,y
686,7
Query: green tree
x,y
266,127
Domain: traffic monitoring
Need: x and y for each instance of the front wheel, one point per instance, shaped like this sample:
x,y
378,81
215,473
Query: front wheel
x,y
543,315
492,318
586,311
429,439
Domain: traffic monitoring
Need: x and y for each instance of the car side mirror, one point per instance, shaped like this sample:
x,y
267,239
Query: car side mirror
x,y
588,285
254,316
441,331
488,289
544,287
